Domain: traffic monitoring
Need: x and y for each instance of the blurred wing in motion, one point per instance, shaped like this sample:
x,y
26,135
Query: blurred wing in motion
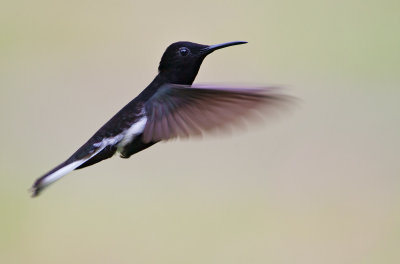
x,y
183,111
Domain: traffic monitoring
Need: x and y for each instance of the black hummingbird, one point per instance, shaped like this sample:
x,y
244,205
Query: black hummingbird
x,y
169,107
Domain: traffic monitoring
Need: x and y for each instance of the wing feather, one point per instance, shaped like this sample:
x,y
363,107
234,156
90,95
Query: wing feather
x,y
183,111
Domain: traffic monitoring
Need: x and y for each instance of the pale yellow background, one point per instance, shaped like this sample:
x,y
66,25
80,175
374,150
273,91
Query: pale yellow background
x,y
318,185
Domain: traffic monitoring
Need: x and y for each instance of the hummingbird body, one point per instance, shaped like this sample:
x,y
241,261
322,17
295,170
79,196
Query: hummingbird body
x,y
168,107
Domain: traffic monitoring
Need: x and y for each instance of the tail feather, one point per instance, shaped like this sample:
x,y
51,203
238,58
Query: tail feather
x,y
55,174
82,155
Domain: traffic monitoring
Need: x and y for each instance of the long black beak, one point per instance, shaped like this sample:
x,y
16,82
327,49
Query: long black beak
x,y
212,48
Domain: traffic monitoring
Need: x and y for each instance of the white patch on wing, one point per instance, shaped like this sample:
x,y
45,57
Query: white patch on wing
x,y
136,129
121,139
109,141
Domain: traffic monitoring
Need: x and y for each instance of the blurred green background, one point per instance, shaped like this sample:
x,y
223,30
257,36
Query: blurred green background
x,y
318,185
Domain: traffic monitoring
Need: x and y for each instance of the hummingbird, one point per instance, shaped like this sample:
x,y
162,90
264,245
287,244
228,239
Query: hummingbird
x,y
169,107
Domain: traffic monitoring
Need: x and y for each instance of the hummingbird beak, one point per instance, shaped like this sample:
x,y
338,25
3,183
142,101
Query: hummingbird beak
x,y
212,48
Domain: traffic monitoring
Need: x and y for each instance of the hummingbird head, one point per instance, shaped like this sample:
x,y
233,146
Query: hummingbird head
x,y
181,61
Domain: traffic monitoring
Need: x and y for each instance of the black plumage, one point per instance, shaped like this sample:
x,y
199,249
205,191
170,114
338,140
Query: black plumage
x,y
169,107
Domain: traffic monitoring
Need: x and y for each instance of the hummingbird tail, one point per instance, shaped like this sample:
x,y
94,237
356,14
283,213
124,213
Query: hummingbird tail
x,y
77,160
54,175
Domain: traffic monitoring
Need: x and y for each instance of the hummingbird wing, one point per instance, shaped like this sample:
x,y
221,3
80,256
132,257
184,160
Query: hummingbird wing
x,y
183,111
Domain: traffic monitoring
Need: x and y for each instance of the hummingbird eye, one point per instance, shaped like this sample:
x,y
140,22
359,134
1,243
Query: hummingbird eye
x,y
184,51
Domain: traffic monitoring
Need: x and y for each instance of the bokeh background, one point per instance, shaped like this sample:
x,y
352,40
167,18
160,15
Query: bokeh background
x,y
318,185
